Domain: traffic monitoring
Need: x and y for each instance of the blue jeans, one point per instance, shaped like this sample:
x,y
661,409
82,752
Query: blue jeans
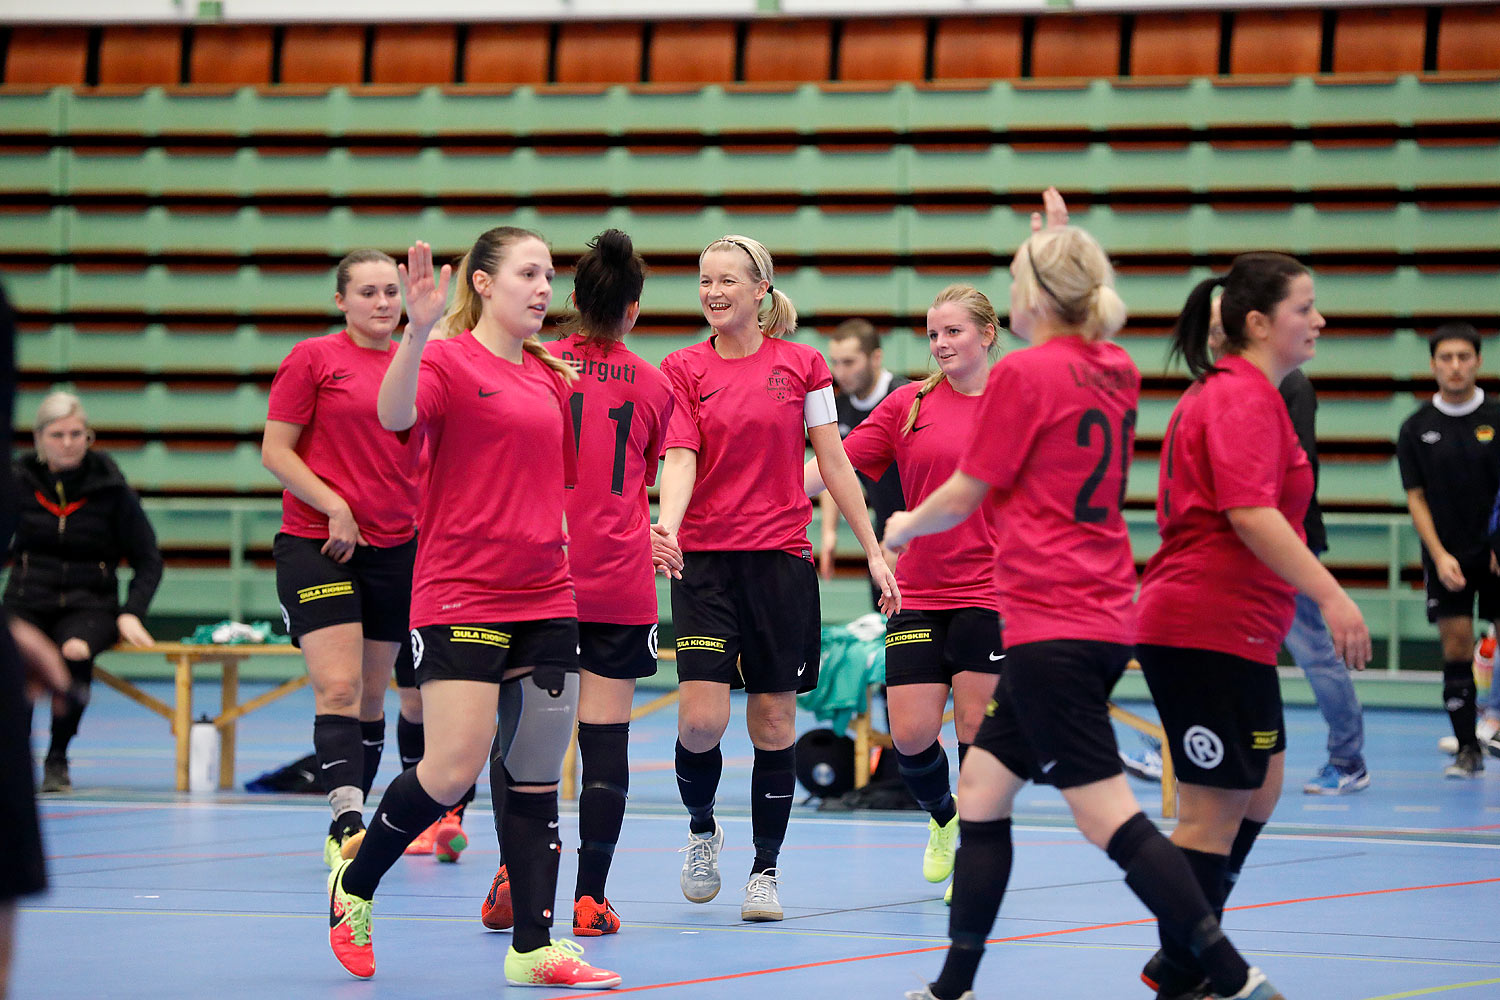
x,y
1312,649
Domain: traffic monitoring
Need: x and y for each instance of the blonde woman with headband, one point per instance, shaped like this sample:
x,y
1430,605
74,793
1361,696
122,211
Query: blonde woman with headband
x,y
494,621
947,636
1062,420
745,603
78,520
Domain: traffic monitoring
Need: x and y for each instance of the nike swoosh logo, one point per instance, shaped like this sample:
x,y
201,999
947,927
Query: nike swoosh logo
x,y
332,763
704,399
1047,767
373,743
388,823
487,395
921,428
770,796
800,669
996,659
340,378
552,825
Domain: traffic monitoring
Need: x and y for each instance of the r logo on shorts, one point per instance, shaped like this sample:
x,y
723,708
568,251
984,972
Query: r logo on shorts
x,y
416,649
1203,747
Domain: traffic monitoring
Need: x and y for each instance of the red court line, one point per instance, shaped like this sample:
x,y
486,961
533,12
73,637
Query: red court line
x,y
1030,937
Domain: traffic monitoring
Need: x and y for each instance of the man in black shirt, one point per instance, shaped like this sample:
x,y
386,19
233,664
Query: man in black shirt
x,y
1450,469
857,362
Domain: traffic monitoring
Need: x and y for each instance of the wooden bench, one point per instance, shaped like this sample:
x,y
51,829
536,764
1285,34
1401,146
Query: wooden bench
x,y
185,657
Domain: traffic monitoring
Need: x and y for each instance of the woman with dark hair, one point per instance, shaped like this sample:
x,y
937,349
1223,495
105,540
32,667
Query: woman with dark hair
x,y
1062,413
348,532
1218,597
78,520
494,622
620,408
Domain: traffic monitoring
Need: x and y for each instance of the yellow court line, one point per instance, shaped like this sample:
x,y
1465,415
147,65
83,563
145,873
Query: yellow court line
x,y
1435,989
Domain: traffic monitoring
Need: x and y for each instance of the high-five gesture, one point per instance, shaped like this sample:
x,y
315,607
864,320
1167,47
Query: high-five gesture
x,y
1056,211
426,293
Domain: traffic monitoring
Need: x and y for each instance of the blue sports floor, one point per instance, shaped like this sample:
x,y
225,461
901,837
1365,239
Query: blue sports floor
x,y
1390,893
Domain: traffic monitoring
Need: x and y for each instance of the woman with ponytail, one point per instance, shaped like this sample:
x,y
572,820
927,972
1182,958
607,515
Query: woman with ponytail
x,y
947,635
1060,417
745,603
620,406
494,622
1219,596
348,533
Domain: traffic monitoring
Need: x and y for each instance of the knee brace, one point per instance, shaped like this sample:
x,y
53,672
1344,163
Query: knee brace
x,y
535,727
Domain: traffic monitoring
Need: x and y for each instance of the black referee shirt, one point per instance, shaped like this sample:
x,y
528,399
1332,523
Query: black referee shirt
x,y
883,494
1456,461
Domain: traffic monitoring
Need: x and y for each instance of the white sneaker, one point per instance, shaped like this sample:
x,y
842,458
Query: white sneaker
x,y
700,872
925,993
762,902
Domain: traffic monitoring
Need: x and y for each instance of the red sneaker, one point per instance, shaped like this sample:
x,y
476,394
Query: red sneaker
x,y
448,840
423,843
349,927
558,964
496,913
592,918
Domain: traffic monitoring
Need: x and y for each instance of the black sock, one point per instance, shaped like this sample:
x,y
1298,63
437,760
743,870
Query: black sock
x,y
405,811
981,871
372,739
1209,870
1243,841
773,783
601,804
963,751
463,804
410,741
1159,875
65,723
341,761
1458,699
698,782
533,843
499,794
925,775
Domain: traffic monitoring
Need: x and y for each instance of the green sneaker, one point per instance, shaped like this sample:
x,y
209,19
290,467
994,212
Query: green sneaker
x,y
331,855
942,845
948,896
557,964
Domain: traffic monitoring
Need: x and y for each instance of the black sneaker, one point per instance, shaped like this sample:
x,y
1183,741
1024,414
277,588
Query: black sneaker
x,y
1173,981
1467,763
55,776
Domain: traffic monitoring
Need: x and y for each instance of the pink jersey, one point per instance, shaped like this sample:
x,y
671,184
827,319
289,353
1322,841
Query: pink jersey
x,y
620,406
328,385
1230,444
744,418
500,441
1056,432
955,569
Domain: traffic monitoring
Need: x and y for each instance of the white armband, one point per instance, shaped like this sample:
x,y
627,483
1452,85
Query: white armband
x,y
818,408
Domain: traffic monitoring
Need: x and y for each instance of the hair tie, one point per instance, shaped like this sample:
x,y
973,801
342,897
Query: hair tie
x,y
770,288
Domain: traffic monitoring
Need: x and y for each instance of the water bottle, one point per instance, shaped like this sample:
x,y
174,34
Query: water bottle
x,y
203,756
1484,665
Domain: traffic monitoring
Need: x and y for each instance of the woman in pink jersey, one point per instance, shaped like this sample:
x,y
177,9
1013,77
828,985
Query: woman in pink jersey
x,y
1218,597
947,635
745,608
344,553
620,407
1060,419
494,623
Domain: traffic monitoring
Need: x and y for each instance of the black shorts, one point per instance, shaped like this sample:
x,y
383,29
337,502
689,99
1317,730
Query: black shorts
x,y
1478,582
748,619
1049,719
1222,714
372,588
406,668
624,652
24,870
485,651
929,647
95,626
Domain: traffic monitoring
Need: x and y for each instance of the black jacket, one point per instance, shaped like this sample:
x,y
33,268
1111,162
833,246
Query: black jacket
x,y
73,531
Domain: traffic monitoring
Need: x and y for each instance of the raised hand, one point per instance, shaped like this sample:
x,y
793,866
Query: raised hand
x,y
425,292
1056,209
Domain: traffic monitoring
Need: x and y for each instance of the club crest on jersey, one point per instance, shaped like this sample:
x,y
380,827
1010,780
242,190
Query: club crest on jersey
x,y
1484,433
1432,437
779,385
